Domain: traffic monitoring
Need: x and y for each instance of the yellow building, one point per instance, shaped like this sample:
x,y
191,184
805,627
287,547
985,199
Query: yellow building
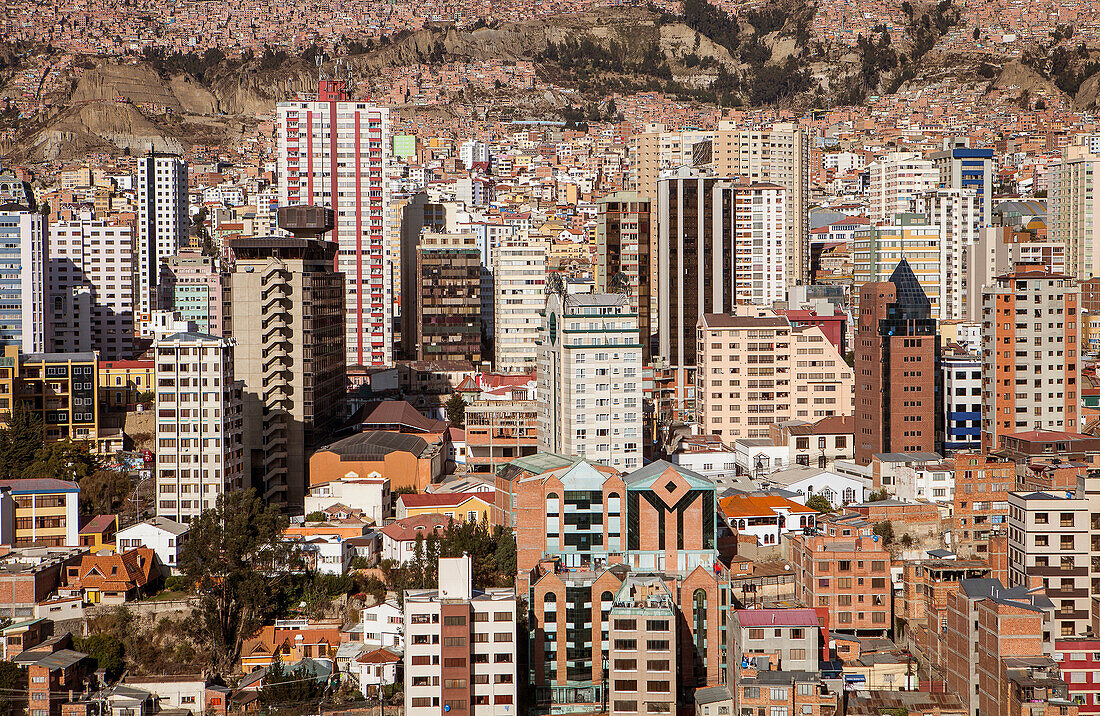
x,y
63,389
99,532
462,506
46,511
877,250
122,381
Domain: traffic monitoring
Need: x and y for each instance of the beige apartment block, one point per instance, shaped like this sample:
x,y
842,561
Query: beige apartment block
x,y
754,371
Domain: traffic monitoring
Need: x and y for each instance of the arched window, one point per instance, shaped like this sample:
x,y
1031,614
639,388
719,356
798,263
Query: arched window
x,y
828,494
613,503
553,505
699,604
849,494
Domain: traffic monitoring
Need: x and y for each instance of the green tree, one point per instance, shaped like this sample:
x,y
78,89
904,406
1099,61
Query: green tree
x,y
316,516
105,650
20,441
885,530
234,560
456,410
878,495
104,492
13,685
819,503
282,687
63,460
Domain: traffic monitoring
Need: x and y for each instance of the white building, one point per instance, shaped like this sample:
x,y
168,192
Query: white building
x,y
957,213
370,494
383,625
836,488
164,536
760,225
962,401
326,554
90,290
199,428
897,180
519,278
590,379
1075,209
163,222
473,152
23,279
354,185
479,625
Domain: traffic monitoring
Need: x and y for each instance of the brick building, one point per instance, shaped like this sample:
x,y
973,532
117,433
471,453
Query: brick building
x,y
582,530
980,508
849,577
895,368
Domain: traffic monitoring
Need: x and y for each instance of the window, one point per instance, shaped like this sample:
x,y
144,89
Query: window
x,y
657,645
658,687
626,684
657,665
454,641
454,621
626,664
626,706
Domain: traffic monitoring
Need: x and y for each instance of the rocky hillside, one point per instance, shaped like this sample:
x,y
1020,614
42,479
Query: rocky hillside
x,y
763,56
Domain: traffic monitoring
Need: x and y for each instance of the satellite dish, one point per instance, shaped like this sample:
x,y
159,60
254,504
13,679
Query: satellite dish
x,y
874,538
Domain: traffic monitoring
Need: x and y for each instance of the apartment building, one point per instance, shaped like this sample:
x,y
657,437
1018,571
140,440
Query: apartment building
x,y
642,633
448,320
193,286
163,223
777,639
980,509
850,577
878,249
999,651
582,531
625,255
1075,210
90,287
896,182
1049,546
962,167
46,512
1078,659
1000,248
719,243
497,432
895,367
961,375
460,646
1030,361
589,379
60,389
778,154
333,152
200,425
957,214
286,313
23,271
755,371
121,382
519,290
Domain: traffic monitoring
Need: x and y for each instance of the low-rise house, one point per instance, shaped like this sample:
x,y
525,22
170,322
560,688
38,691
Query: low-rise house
x,y
98,533
766,517
290,641
164,536
460,506
59,609
21,636
113,578
178,691
399,537
838,489
376,669
370,494
382,625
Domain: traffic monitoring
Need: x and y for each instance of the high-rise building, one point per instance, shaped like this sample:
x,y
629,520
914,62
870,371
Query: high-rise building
x,y
193,286
199,428
333,152
590,379
519,285
414,214
59,389
448,297
779,154
91,287
876,251
473,152
897,180
460,646
895,367
23,261
162,223
1000,248
962,167
286,313
711,256
757,371
961,372
955,212
1075,209
1030,354
625,255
